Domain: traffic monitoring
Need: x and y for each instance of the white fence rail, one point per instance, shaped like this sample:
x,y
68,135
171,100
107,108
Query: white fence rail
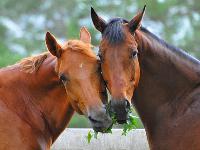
x,y
75,139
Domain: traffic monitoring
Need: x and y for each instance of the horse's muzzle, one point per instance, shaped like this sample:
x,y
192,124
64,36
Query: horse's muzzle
x,y
120,108
100,120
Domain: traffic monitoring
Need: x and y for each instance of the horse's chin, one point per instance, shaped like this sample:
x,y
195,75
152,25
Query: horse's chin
x,y
102,126
121,117
99,129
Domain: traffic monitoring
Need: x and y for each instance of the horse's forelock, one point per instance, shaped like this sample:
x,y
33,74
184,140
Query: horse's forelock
x,y
81,47
114,31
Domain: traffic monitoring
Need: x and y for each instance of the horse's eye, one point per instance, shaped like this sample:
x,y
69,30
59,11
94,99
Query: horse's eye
x,y
134,54
63,78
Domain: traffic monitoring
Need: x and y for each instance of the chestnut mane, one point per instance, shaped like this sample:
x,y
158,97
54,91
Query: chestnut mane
x,y
80,47
33,63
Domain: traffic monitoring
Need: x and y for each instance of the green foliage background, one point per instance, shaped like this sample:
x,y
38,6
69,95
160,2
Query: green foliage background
x,y
23,24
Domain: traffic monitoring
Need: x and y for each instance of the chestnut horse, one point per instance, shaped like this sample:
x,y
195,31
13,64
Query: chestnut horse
x,y
39,95
168,95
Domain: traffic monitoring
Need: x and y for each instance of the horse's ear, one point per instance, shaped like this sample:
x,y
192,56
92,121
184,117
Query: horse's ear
x,y
85,35
135,23
99,23
52,45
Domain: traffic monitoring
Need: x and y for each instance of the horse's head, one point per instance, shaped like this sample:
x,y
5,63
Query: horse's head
x,y
79,70
119,60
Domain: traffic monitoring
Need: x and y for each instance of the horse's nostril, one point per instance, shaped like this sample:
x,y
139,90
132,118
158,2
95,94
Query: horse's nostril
x,y
127,104
119,105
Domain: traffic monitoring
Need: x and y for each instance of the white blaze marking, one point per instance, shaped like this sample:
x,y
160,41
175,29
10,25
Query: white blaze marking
x,y
81,65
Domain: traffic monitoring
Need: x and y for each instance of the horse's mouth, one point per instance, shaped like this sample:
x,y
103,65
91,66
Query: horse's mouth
x,y
100,126
99,129
121,121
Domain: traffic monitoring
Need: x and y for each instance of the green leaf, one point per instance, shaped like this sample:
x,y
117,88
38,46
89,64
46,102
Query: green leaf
x,y
131,124
109,130
89,137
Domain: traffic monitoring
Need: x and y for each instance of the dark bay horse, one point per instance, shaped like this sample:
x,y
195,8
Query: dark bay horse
x,y
168,94
39,95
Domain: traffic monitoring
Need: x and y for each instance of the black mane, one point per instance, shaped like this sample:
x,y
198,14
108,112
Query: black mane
x,y
114,34
113,31
178,51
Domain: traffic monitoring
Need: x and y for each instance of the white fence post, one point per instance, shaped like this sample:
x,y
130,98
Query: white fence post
x,y
75,139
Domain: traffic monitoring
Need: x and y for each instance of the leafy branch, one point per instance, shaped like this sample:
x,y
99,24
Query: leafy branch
x,y
132,123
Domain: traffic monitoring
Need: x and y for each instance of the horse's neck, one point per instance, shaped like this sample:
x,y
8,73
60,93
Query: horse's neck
x,y
167,76
53,102
48,109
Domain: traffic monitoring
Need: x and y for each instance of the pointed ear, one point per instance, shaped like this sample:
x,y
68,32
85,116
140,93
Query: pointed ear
x,y
135,23
85,35
99,23
52,45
